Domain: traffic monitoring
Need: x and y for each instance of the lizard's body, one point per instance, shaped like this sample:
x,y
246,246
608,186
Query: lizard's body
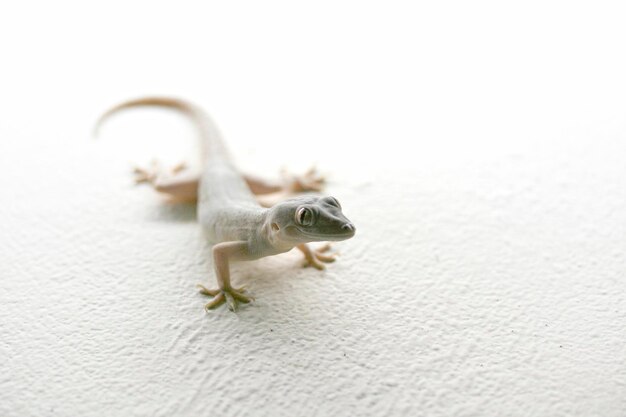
x,y
232,219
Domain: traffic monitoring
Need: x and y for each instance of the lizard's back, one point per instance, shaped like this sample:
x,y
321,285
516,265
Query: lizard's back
x,y
227,209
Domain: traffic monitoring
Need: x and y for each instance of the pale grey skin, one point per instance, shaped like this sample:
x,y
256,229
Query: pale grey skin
x,y
236,224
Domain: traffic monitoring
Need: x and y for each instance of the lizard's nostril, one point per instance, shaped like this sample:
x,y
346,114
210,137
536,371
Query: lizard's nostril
x,y
348,227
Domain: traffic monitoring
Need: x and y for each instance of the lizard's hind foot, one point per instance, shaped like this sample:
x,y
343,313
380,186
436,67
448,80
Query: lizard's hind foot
x,y
231,296
310,181
155,171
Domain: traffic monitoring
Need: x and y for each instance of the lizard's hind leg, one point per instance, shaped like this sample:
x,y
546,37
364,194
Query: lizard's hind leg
x,y
178,183
311,180
271,192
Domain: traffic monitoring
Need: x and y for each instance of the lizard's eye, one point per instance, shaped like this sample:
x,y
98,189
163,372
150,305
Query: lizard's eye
x,y
304,216
333,202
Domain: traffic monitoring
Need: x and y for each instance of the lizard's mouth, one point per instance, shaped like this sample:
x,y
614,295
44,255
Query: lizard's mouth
x,y
347,234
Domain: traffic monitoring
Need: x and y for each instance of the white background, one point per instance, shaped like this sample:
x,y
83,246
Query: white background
x,y
478,147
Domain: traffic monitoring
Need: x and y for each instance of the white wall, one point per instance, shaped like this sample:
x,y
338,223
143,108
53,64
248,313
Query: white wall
x,y
478,147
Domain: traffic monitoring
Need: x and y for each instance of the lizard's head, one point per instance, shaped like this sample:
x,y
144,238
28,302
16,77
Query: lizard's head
x,y
309,219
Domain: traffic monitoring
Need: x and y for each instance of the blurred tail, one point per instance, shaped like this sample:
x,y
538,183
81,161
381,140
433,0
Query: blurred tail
x,y
211,139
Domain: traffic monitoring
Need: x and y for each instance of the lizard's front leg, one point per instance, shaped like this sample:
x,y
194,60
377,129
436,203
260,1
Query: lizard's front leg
x,y
223,253
312,257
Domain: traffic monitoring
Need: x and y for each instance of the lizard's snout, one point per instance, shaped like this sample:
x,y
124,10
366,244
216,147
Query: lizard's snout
x,y
348,230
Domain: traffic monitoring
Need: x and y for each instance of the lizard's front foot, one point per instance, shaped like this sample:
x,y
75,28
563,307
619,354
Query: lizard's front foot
x,y
220,296
315,257
309,181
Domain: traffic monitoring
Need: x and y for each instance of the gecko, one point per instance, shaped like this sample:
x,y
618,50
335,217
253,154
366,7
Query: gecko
x,y
234,222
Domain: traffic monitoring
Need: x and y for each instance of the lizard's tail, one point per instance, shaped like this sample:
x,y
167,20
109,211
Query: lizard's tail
x,y
211,139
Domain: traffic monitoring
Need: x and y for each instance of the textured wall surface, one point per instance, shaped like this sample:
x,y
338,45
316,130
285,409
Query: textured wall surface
x,y
487,276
